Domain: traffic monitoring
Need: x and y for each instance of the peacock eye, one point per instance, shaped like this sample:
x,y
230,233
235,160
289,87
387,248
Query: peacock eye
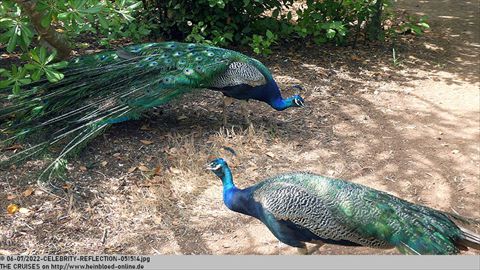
x,y
198,58
168,80
199,69
188,71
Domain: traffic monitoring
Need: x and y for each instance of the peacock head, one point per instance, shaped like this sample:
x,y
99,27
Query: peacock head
x,y
296,101
293,101
218,166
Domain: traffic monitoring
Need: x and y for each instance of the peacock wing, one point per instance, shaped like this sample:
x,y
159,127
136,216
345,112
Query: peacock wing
x,y
297,206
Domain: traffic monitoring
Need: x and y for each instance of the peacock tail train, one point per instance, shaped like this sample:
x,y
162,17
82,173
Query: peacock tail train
x,y
111,87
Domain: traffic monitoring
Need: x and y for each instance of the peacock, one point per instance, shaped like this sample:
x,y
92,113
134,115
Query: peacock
x,y
303,207
115,86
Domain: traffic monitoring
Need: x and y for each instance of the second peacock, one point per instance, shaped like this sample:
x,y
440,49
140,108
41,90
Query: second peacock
x,y
301,208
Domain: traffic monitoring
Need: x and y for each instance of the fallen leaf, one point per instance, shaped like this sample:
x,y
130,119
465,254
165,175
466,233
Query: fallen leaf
x,y
143,168
270,154
145,127
132,169
12,208
355,58
83,168
157,170
182,117
67,186
11,196
28,192
146,142
104,163
117,155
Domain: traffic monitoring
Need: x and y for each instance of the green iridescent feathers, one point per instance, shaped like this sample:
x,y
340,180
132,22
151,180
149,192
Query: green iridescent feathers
x,y
102,89
373,214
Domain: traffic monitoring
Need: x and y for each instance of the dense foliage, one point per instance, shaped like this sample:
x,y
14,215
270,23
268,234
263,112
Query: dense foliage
x,y
28,27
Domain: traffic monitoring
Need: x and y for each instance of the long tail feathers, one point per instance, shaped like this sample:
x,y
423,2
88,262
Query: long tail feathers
x,y
100,90
471,239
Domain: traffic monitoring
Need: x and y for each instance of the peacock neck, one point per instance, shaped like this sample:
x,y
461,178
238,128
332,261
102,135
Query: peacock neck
x,y
275,97
279,104
238,200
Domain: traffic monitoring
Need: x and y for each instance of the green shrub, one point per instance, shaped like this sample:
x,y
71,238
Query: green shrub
x,y
259,24
59,22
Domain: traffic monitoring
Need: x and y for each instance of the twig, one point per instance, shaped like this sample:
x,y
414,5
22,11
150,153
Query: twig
x,y
104,237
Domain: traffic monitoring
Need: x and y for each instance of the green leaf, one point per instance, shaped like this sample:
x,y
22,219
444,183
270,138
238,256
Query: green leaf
x,y
63,16
16,89
134,6
91,10
59,65
269,34
42,55
12,43
51,57
5,83
103,22
25,81
53,76
275,13
46,21
331,33
37,74
31,66
424,25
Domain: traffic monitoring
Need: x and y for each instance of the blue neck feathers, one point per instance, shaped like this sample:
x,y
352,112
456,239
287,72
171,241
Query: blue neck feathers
x,y
236,199
281,104
274,98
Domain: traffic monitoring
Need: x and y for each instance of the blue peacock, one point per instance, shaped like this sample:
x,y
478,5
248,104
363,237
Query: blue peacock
x,y
116,86
302,207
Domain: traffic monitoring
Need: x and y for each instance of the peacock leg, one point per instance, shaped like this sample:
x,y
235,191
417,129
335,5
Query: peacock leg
x,y
226,101
246,112
303,250
317,246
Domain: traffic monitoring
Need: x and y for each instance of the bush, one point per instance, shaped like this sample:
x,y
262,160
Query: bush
x,y
262,23
259,24
56,23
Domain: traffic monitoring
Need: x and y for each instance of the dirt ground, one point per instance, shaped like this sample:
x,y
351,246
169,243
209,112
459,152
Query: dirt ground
x,y
409,128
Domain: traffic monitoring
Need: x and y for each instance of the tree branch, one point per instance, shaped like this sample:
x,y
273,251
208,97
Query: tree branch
x,y
48,35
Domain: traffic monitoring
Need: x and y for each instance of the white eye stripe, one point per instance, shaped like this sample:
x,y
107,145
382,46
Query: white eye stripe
x,y
214,166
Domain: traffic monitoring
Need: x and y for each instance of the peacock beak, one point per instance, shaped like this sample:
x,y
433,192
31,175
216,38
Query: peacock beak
x,y
299,103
